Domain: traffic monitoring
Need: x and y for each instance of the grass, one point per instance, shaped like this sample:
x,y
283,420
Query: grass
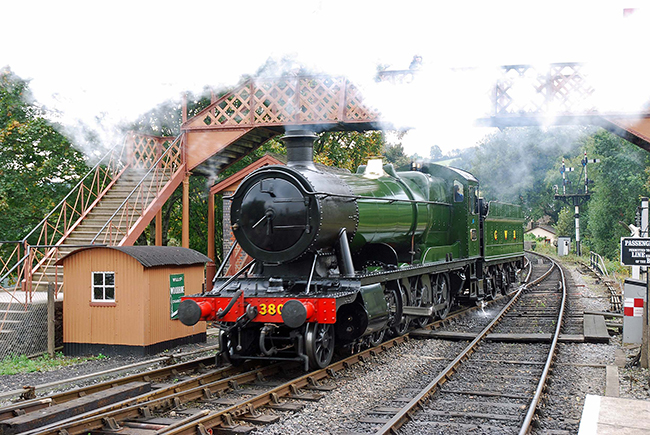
x,y
12,365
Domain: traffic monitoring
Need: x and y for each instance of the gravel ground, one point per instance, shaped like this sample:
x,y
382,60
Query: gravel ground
x,y
368,386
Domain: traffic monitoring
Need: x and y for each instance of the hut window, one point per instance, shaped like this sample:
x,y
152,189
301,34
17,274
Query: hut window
x,y
103,286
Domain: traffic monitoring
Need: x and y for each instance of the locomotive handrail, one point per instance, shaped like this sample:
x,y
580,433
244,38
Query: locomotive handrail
x,y
363,198
136,188
225,260
232,278
391,200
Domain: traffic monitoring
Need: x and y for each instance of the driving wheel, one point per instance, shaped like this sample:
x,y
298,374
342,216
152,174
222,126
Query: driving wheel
x,y
319,344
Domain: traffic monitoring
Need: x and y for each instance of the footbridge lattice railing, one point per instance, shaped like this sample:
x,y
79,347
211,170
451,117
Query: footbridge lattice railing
x,y
290,100
160,161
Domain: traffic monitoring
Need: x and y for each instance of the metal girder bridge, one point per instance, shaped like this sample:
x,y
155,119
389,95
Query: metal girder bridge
x,y
561,94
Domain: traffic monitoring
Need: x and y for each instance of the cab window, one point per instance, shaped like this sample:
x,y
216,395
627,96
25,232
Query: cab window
x,y
473,203
459,194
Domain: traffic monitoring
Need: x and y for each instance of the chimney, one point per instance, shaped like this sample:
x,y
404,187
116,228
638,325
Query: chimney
x,y
300,148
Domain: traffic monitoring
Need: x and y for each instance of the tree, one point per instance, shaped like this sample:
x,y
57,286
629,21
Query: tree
x,y
435,153
620,179
565,225
395,154
348,150
38,165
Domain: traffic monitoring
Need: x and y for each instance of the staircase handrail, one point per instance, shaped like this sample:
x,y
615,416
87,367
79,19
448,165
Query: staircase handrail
x,y
6,275
92,171
155,166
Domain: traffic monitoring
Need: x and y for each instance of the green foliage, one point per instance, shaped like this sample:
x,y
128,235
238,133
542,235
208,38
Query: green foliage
x,y
12,365
395,154
565,225
435,153
533,238
619,181
348,150
38,165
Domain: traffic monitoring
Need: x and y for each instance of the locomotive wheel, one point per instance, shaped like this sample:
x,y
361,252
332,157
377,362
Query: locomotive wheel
x,y
505,279
319,344
396,303
423,298
490,285
442,295
376,338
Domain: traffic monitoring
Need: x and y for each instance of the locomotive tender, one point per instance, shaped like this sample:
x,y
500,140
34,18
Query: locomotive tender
x,y
342,260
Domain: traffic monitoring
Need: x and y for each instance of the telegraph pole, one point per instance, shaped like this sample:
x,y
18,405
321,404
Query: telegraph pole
x,y
576,199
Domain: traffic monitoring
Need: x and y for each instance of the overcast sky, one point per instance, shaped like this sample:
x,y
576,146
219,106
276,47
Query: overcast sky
x,y
118,59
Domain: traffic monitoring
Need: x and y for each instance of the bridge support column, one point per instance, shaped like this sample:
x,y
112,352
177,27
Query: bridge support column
x,y
159,228
211,241
211,268
185,237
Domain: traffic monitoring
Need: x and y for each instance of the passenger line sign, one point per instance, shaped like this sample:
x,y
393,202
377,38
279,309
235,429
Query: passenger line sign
x,y
635,251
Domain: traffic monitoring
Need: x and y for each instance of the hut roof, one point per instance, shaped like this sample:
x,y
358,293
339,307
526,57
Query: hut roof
x,y
152,256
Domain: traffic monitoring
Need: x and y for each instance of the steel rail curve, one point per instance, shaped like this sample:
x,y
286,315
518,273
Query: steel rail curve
x,y
549,360
227,416
405,414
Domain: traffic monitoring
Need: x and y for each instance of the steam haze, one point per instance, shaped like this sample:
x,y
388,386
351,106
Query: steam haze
x,y
103,64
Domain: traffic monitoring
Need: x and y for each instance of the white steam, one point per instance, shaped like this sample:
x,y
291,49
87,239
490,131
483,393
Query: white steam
x,y
88,60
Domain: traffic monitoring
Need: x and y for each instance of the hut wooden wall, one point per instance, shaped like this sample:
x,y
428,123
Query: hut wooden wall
x,y
140,315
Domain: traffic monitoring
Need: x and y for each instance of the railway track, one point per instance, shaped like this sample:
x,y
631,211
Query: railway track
x,y
192,400
495,384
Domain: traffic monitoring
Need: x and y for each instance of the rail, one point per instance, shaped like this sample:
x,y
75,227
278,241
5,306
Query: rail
x,y
525,427
206,385
140,197
597,264
406,413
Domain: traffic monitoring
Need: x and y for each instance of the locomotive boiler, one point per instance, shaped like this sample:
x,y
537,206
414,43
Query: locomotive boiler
x,y
343,259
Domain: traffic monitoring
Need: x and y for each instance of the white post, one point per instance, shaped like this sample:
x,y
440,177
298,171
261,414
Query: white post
x,y
644,223
577,216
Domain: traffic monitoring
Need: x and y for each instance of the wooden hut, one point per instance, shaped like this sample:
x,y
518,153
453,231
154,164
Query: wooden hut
x,y
123,300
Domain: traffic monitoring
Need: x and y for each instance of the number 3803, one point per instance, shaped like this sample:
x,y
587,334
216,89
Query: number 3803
x,y
270,309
